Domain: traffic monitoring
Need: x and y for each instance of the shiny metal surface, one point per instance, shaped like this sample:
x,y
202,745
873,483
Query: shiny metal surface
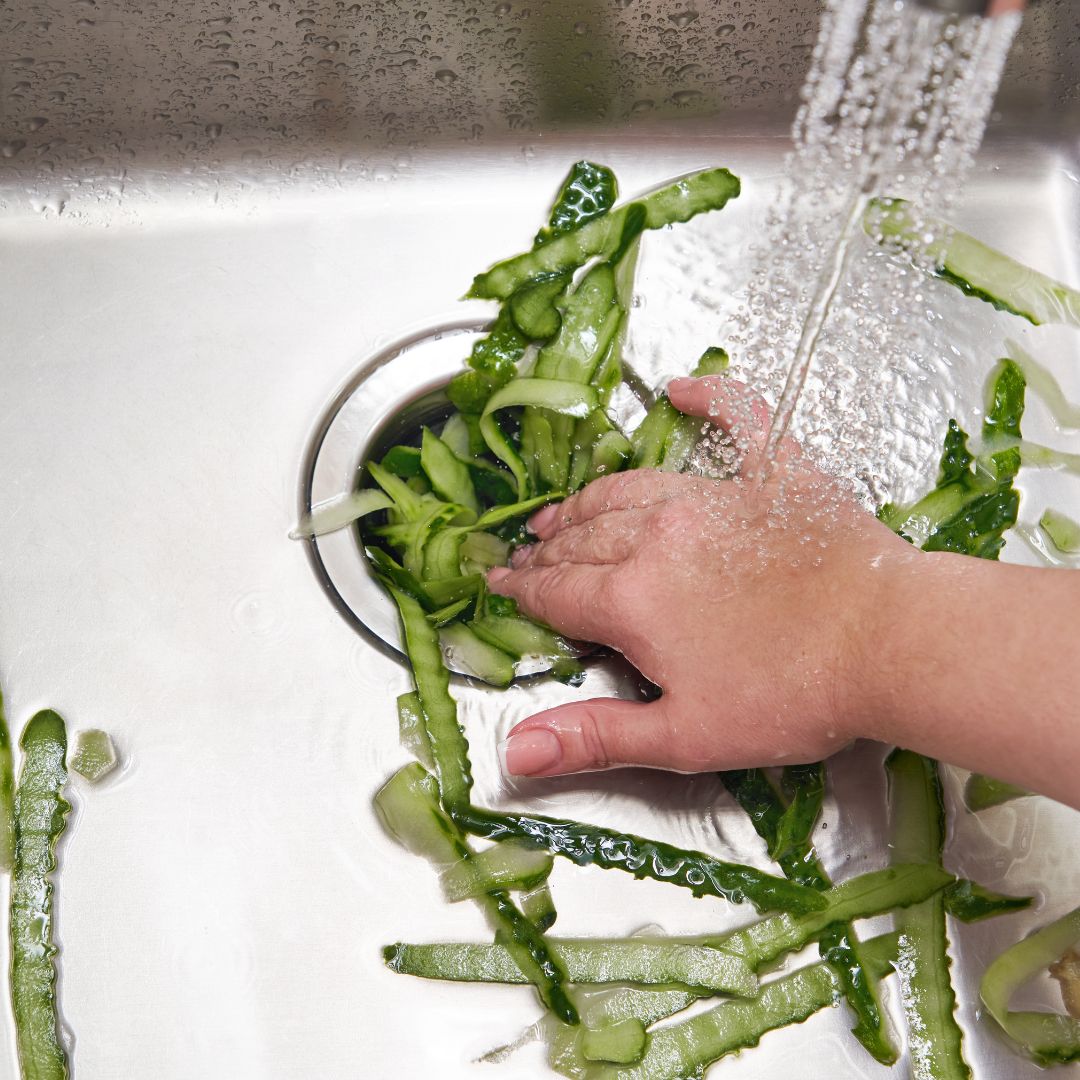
x,y
386,401
180,307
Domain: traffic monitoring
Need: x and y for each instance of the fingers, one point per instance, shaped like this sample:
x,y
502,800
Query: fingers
x,y
622,491
729,404
567,597
734,407
608,539
584,736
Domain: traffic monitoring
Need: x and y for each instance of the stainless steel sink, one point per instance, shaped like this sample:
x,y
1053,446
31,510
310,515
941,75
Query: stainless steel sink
x,y
213,215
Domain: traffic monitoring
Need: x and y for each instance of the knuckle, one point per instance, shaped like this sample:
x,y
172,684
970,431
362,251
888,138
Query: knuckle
x,y
615,596
668,522
595,738
555,601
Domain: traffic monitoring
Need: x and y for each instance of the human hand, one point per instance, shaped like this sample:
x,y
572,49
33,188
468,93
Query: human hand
x,y
753,607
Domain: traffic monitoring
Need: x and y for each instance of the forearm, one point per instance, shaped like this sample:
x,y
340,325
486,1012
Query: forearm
x,y
979,665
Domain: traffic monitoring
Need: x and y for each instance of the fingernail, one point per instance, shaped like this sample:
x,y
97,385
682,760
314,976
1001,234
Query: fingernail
x,y
496,574
543,518
530,752
681,383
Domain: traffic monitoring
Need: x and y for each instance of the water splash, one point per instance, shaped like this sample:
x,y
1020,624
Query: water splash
x,y
896,102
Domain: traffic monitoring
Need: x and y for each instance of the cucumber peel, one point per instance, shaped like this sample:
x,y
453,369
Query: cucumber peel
x,y
1048,1038
973,267
40,815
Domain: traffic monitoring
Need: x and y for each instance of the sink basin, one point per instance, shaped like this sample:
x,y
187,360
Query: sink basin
x,y
214,217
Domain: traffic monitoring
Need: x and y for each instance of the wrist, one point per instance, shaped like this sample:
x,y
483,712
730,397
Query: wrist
x,y
910,644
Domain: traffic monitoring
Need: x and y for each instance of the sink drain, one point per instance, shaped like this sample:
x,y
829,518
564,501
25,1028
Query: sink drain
x,y
386,401
388,398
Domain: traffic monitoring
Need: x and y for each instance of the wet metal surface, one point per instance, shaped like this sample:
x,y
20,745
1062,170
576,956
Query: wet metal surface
x,y
174,330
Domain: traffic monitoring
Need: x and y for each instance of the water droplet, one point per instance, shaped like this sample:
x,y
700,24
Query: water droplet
x,y
12,147
581,28
682,19
446,76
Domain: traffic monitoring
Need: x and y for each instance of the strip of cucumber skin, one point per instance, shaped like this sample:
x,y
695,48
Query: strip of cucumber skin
x,y
449,477
7,794
699,969
756,946
40,816
593,845
969,902
565,398
839,946
449,747
591,321
969,265
1049,1038
918,833
686,1049
504,867
899,886
707,190
408,806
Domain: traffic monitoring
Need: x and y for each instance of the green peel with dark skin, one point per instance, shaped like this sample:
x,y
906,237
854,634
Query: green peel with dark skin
x,y
593,845
40,815
970,902
787,832
974,501
408,806
602,236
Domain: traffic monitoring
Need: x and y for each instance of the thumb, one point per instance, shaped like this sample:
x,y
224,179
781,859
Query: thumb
x,y
583,736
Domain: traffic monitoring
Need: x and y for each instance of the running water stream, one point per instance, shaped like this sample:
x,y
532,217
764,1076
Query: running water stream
x,y
896,103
